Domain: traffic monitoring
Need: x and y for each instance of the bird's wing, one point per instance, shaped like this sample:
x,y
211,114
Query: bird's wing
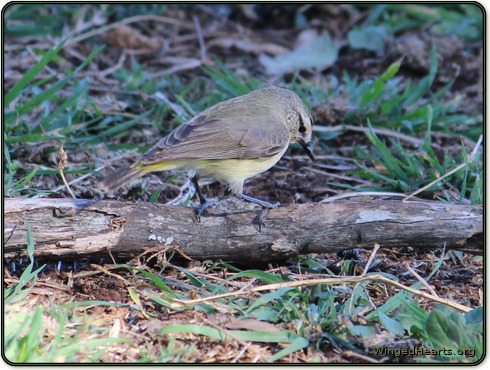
x,y
201,138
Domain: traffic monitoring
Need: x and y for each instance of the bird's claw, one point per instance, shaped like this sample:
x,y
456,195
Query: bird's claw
x,y
203,208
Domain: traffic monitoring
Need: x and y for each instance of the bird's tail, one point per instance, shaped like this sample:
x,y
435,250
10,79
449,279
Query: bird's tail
x,y
117,179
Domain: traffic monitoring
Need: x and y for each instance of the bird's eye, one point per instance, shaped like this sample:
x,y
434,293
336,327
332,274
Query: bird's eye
x,y
302,128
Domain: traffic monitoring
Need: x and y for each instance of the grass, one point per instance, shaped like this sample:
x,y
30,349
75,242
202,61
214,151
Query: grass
x,y
312,317
28,328
76,121
393,167
57,101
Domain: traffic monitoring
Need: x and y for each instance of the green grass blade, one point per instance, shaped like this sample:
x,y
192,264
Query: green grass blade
x,y
154,196
31,73
33,138
252,336
378,86
28,178
123,126
49,92
297,344
79,90
423,86
227,80
265,277
154,278
388,160
27,275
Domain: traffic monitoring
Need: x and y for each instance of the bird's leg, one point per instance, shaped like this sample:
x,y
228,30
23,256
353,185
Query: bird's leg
x,y
260,202
263,212
204,203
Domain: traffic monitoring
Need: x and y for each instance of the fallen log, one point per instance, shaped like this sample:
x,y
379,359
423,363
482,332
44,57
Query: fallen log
x,y
71,229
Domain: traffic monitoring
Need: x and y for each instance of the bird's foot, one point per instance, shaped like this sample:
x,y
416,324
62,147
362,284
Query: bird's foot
x,y
203,208
259,220
204,203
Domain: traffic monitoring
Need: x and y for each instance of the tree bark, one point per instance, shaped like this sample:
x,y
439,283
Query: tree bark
x,y
72,229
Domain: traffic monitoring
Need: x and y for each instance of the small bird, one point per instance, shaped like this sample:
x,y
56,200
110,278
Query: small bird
x,y
230,141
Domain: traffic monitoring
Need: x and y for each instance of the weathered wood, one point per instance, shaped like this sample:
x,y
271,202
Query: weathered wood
x,y
66,228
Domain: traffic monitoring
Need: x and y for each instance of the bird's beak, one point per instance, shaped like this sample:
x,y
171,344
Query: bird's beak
x,y
307,149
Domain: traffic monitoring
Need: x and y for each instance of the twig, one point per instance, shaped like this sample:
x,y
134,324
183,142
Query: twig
x,y
245,287
361,194
178,109
11,233
183,195
333,175
86,175
378,131
37,58
350,353
112,257
108,71
240,354
53,286
137,18
339,280
200,37
192,63
66,185
61,165
212,277
107,272
462,165
364,272
420,278
371,259
77,55
22,46
475,149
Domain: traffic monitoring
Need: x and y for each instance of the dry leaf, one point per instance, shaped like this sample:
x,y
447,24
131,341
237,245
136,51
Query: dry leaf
x,y
125,37
312,51
229,322
249,46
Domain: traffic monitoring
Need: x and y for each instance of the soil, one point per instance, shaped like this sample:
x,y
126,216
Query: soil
x,y
295,178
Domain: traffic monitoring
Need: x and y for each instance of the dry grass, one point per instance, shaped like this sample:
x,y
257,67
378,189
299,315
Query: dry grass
x,y
163,63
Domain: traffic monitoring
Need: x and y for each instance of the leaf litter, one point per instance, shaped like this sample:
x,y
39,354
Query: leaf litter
x,y
131,309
